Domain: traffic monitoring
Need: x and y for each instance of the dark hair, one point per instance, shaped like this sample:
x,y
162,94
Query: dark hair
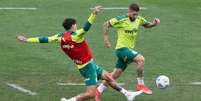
x,y
67,24
134,7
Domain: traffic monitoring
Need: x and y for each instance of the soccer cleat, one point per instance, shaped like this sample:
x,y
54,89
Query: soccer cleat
x,y
63,99
144,88
98,96
131,95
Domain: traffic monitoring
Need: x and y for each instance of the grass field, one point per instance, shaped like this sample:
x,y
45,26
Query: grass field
x,y
172,49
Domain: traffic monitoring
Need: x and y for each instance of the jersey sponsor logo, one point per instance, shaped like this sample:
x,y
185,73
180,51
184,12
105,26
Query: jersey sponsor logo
x,y
68,46
131,31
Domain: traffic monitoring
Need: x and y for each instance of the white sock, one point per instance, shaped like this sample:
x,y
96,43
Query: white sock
x,y
140,80
72,99
64,99
123,91
101,87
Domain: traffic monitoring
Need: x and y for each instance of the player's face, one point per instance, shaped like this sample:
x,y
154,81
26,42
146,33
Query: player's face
x,y
74,28
132,14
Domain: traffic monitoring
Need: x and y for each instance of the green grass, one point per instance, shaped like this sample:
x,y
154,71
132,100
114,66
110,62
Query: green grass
x,y
172,49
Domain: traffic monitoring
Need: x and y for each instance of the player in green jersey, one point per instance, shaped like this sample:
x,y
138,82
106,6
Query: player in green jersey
x,y
127,27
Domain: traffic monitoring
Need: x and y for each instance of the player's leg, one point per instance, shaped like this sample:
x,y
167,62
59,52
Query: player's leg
x,y
90,75
128,56
115,75
90,93
121,65
139,61
103,86
108,78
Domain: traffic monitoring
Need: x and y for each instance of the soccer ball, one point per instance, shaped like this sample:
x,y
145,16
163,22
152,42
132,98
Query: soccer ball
x,y
162,82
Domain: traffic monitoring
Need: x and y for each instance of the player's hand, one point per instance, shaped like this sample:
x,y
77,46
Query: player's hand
x,y
156,21
97,9
107,43
21,38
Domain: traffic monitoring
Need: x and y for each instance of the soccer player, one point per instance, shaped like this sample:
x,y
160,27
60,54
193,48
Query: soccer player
x,y
127,27
75,46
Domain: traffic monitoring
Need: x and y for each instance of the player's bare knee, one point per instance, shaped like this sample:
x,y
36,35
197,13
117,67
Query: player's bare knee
x,y
139,60
142,60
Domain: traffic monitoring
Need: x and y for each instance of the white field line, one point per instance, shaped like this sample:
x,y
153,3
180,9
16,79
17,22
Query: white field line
x,y
195,83
16,8
120,8
79,84
21,89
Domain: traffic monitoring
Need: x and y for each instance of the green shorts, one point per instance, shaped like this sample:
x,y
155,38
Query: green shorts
x,y
92,73
125,56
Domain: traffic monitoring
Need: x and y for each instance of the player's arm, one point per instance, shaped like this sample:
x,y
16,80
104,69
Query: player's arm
x,y
151,24
106,26
89,22
43,39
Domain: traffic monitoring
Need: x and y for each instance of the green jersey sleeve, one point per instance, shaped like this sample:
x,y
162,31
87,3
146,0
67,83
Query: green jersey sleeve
x,y
113,22
116,22
87,26
143,21
45,39
78,36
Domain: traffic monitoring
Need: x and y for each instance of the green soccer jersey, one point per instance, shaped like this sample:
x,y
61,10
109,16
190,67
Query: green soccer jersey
x,y
126,30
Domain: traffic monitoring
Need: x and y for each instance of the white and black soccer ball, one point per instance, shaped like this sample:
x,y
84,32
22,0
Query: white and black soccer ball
x,y
162,81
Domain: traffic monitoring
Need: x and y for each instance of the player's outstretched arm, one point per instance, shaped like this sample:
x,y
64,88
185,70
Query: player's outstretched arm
x,y
153,23
89,21
106,27
43,39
